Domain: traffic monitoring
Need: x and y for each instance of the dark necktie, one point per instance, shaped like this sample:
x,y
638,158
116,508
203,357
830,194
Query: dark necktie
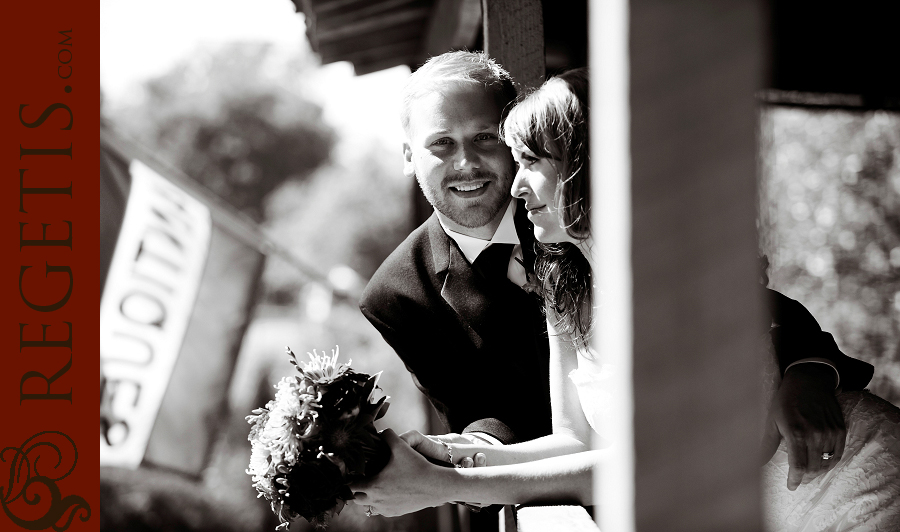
x,y
493,262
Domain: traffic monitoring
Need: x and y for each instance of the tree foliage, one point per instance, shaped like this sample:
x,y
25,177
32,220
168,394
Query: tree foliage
x,y
353,212
830,222
224,118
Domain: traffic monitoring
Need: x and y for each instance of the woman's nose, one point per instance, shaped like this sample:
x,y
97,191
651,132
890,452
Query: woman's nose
x,y
520,184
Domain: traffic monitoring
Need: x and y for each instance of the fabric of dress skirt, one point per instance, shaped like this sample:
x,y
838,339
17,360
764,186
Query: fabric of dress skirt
x,y
861,493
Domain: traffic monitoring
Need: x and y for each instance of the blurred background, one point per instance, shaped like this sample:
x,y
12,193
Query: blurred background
x,y
830,225
229,94
291,170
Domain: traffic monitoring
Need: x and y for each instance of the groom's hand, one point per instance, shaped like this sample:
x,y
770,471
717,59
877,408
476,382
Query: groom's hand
x,y
808,417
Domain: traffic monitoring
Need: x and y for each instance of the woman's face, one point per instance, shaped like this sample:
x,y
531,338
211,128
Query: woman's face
x,y
535,182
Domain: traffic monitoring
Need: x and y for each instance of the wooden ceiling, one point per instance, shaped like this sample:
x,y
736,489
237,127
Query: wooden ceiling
x,y
379,34
838,46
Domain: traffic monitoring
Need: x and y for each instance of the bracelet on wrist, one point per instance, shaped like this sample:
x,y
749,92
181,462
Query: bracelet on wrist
x,y
449,453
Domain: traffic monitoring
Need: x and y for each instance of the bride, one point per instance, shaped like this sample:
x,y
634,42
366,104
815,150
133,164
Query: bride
x,y
547,132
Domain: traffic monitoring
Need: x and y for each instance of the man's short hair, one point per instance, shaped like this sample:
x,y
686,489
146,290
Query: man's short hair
x,y
460,67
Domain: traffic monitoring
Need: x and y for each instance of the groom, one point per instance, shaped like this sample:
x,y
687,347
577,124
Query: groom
x,y
450,302
449,298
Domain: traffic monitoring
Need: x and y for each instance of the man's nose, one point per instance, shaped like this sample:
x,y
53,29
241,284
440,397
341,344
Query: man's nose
x,y
466,158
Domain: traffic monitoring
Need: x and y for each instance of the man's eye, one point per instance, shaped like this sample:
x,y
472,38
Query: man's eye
x,y
486,137
441,142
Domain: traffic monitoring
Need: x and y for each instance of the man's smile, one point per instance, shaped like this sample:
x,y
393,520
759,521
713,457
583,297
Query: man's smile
x,y
468,187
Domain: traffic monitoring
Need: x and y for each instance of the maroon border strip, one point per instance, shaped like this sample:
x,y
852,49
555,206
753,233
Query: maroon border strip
x,y
49,394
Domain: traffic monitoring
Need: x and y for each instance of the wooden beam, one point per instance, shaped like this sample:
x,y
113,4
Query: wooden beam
x,y
361,68
554,519
454,25
335,19
388,53
514,36
370,49
373,24
325,6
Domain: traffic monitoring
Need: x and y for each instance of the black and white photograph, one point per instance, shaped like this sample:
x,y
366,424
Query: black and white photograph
x,y
499,266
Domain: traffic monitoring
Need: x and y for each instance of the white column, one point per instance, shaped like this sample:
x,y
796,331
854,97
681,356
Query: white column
x,y
611,225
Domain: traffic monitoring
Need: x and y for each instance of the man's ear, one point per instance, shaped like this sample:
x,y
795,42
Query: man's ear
x,y
409,169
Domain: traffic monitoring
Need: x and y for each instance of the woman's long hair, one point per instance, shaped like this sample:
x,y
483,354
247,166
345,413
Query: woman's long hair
x,y
552,122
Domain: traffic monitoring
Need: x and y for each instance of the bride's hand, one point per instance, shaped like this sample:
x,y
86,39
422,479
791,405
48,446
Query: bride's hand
x,y
407,483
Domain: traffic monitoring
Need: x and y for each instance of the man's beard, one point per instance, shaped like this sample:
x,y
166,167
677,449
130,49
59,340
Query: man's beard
x,y
472,217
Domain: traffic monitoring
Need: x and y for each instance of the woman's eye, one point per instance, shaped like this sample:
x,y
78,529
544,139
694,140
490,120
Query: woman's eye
x,y
441,142
526,160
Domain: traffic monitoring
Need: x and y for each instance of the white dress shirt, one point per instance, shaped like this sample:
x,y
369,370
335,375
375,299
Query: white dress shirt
x,y
471,247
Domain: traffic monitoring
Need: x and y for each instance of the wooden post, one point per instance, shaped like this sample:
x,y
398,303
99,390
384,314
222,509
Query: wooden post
x,y
514,36
611,226
693,71
454,25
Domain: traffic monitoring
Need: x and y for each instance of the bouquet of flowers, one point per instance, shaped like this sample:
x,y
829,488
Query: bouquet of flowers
x,y
315,438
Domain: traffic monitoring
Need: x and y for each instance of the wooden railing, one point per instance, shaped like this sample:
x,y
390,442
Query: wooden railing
x,y
546,519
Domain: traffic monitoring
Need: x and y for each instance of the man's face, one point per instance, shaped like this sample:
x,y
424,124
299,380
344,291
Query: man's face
x,y
464,168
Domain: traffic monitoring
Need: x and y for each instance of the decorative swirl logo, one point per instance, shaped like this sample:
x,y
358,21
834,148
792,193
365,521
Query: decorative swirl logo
x,y
31,484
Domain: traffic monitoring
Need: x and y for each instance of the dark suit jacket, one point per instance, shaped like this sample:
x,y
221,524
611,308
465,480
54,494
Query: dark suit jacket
x,y
478,351
796,334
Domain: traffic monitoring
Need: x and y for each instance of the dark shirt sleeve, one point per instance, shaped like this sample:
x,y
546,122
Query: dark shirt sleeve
x,y
797,335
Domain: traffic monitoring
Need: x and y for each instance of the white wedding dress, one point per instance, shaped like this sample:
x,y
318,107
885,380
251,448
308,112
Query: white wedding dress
x,y
860,494
593,382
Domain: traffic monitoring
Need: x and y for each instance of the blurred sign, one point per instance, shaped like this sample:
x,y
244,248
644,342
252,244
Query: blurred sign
x,y
147,302
184,268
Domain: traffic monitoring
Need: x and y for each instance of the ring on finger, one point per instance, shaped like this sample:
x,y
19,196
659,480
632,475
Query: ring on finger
x,y
827,456
369,511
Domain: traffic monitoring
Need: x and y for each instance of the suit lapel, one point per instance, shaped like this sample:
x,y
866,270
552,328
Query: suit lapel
x,y
467,292
464,290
